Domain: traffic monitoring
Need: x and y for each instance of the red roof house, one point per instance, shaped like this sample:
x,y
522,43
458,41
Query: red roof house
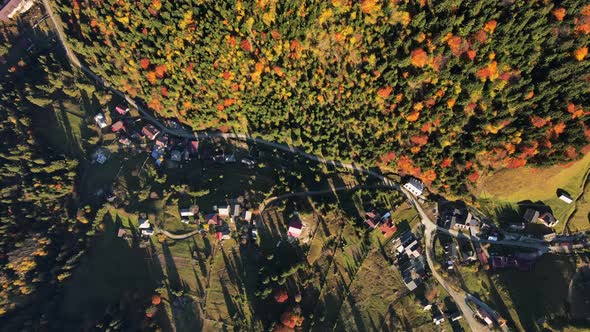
x,y
117,126
212,219
121,109
150,131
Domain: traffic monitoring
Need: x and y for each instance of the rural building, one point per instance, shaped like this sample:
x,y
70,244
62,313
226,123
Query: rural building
x,y
247,215
212,219
223,211
485,316
410,260
150,132
548,219
100,120
566,198
454,215
175,155
531,216
504,262
455,316
11,8
387,227
144,223
125,141
187,212
235,211
122,110
415,186
517,226
295,227
118,126
372,219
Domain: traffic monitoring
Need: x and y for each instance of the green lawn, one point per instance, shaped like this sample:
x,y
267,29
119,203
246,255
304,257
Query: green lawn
x,y
580,219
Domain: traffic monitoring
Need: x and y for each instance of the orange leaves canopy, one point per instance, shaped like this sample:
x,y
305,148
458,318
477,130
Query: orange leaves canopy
x,y
490,26
160,71
490,71
151,77
581,53
419,58
384,92
559,13
538,122
367,6
419,140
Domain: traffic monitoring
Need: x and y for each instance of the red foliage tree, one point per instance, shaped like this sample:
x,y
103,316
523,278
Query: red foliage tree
x,y
281,295
156,299
145,63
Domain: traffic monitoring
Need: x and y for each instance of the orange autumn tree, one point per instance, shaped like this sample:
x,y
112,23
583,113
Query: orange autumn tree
x,y
419,58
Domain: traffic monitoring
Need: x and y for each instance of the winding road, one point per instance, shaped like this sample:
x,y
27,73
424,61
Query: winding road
x,y
429,226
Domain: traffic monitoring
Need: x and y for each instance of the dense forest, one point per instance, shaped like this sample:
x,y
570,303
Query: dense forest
x,y
43,230
443,90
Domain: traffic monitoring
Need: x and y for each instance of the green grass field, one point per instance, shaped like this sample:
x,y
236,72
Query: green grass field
x,y
580,219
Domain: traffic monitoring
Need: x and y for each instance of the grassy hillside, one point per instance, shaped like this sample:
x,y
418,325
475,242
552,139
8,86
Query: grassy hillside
x,y
508,187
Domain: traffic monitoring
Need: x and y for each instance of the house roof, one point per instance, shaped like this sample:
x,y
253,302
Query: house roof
x,y
548,218
121,109
296,223
144,224
531,215
119,125
175,155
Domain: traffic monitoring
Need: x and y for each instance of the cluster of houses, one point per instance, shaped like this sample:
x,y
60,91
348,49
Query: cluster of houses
x,y
224,215
455,216
409,260
160,145
384,222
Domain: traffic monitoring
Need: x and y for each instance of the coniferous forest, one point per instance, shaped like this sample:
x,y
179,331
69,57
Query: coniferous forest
x,y
443,90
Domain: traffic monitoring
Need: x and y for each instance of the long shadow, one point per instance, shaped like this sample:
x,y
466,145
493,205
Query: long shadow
x,y
174,281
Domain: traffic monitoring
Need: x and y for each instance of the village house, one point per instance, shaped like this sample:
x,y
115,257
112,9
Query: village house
x,y
454,215
566,198
100,120
387,226
247,215
189,211
372,219
415,186
223,211
548,219
531,216
150,132
9,9
145,227
193,147
212,219
118,126
122,110
176,155
295,227
410,260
